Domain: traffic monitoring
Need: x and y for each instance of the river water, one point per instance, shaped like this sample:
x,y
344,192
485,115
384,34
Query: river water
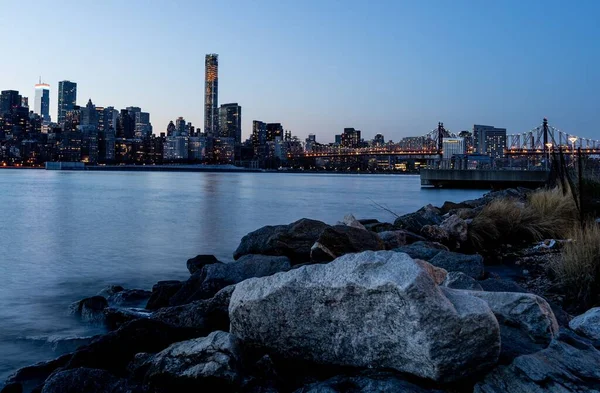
x,y
67,235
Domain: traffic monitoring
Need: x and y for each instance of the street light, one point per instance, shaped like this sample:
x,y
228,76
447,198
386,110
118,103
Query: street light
x,y
549,146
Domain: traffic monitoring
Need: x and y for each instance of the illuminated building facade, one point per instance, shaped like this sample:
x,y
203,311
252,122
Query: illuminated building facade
x,y
211,94
41,105
230,122
67,98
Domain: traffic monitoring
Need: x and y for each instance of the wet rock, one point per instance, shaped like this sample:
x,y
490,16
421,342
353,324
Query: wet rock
x,y
458,280
588,324
501,285
368,221
471,265
365,382
32,376
211,363
85,380
204,316
12,388
110,290
114,317
130,298
196,263
427,215
393,239
294,240
351,221
527,323
372,309
340,240
90,309
162,292
569,364
114,350
206,282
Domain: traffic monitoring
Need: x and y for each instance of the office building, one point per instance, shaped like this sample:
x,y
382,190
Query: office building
x,y
9,100
274,130
211,94
259,135
350,138
489,140
230,122
41,105
67,99
379,140
143,127
452,147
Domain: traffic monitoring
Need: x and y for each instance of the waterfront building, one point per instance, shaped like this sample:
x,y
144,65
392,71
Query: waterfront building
x,y
259,136
41,105
125,125
197,148
223,150
452,147
211,94
67,99
274,130
350,138
489,140
230,121
143,127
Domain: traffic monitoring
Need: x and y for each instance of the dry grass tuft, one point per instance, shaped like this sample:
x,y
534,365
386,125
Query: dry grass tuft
x,y
578,268
545,214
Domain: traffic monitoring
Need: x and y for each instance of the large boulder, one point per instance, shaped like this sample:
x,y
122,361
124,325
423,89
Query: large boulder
x,y
211,363
33,376
209,280
527,323
294,240
501,285
339,240
427,215
458,280
457,230
393,239
372,309
569,364
199,261
86,380
422,249
129,298
588,324
90,309
204,316
115,317
162,292
114,350
365,382
469,264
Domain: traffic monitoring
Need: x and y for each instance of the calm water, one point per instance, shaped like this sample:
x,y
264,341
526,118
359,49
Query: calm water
x,y
67,235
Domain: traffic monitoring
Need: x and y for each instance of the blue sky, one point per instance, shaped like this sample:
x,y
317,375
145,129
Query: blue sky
x,y
390,67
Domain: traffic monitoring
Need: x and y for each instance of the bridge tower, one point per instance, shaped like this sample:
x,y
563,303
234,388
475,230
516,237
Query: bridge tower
x,y
545,135
440,138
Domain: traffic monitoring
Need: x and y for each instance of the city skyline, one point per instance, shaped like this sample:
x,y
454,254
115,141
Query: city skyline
x,y
426,70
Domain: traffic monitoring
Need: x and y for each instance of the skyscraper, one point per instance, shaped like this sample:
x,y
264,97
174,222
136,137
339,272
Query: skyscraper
x,y
9,100
489,140
211,94
273,131
41,105
230,121
67,98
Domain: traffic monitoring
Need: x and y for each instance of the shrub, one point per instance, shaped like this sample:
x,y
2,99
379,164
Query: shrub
x,y
545,214
578,268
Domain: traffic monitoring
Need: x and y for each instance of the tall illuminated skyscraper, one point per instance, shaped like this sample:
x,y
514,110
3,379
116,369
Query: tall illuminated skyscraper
x,y
67,98
230,122
211,94
41,105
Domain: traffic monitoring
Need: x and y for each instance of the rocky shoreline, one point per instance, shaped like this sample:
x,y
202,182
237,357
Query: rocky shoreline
x,y
362,306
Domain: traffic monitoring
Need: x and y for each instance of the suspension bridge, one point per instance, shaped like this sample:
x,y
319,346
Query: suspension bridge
x,y
538,141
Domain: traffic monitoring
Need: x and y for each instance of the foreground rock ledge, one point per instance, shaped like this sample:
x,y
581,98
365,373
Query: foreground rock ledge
x,y
374,309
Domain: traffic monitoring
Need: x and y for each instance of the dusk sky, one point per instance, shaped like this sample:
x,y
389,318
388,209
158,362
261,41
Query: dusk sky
x,y
389,67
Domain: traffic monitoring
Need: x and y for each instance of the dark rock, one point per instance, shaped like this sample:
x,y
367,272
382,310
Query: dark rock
x,y
368,221
294,240
449,206
85,380
196,263
427,215
114,350
569,364
162,292
129,298
458,280
206,282
501,285
435,233
422,250
117,317
12,388
393,239
339,240
204,316
90,309
471,265
110,290
365,382
457,231
32,376
380,227
211,364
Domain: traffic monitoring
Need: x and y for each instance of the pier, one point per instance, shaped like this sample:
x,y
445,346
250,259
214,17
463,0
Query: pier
x,y
482,178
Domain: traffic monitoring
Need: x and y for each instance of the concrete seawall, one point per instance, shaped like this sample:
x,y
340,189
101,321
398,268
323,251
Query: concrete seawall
x,y
495,179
